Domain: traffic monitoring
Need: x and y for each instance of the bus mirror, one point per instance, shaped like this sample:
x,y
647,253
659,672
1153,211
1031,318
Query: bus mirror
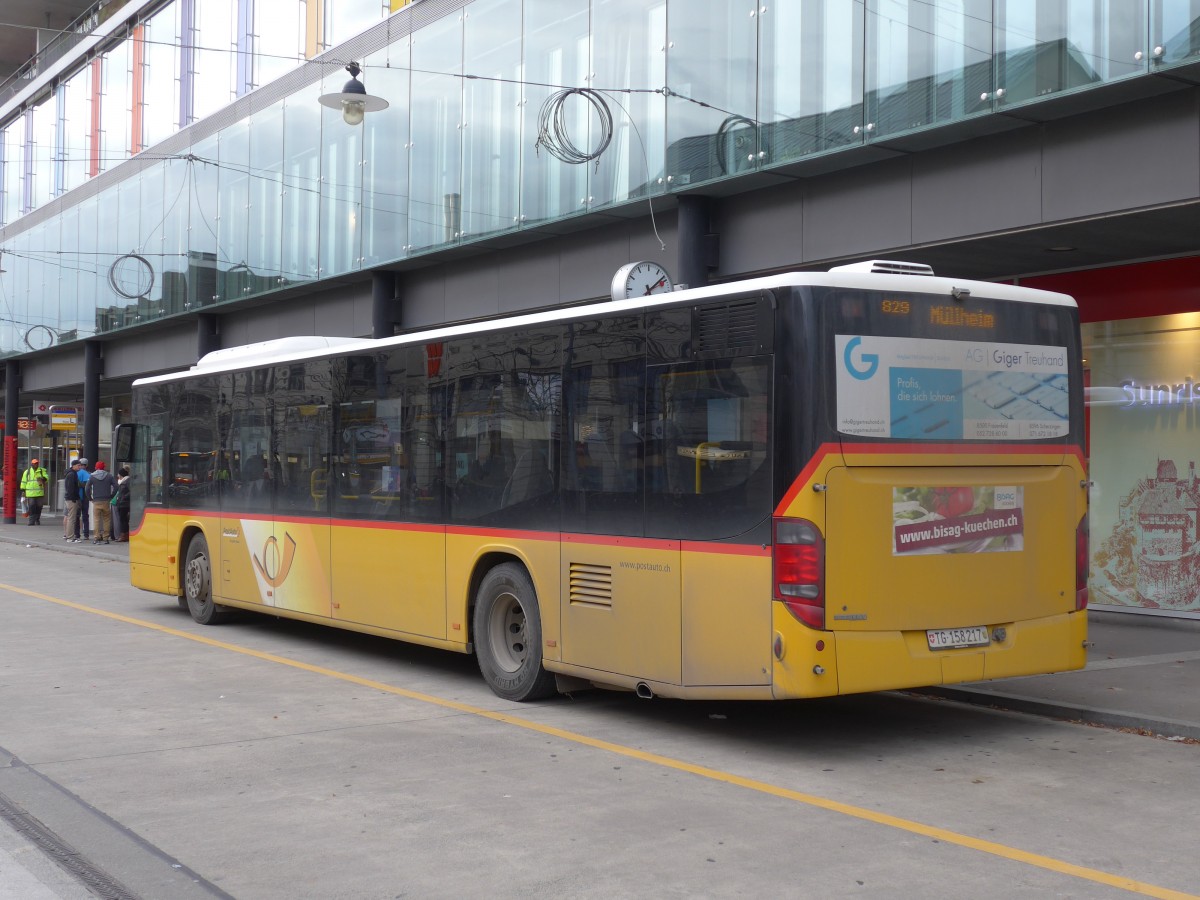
x,y
124,443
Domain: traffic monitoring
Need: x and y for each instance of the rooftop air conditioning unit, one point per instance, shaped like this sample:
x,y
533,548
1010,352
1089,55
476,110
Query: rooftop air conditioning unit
x,y
886,267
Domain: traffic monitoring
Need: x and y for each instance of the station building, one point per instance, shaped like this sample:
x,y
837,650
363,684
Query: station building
x,y
180,177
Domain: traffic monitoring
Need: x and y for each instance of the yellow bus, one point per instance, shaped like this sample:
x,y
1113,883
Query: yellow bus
x,y
802,485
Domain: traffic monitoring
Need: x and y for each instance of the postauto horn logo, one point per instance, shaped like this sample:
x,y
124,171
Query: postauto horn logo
x,y
867,365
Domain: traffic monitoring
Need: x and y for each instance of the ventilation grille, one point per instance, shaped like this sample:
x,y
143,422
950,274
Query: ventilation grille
x,y
728,327
591,585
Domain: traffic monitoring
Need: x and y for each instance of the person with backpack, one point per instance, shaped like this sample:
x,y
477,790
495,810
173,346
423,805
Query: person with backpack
x,y
33,485
101,488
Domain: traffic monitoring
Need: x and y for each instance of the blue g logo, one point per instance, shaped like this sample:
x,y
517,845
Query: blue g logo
x,y
870,361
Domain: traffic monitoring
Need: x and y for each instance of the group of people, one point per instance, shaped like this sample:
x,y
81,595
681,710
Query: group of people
x,y
96,502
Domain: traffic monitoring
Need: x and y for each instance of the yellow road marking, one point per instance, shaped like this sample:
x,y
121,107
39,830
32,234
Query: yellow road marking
x,y
950,837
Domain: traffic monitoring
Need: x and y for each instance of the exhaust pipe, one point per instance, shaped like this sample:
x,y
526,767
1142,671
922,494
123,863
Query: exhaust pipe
x,y
643,691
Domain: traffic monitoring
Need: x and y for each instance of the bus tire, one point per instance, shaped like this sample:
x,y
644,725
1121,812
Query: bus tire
x,y
508,635
197,584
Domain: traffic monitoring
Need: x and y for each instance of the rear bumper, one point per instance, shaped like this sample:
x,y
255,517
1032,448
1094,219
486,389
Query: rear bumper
x,y
824,663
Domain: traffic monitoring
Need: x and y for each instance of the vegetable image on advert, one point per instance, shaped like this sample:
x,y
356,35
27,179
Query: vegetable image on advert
x,y
957,520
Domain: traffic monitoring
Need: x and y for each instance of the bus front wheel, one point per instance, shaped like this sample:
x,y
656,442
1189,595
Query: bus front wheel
x,y
197,584
508,635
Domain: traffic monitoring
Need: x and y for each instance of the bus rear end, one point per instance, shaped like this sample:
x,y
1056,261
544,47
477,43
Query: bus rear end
x,y
937,529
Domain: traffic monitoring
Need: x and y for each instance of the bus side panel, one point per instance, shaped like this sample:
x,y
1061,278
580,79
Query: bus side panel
x,y
391,577
148,552
726,614
621,606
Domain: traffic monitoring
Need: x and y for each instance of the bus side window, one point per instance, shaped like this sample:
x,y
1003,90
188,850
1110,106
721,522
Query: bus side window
x,y
708,474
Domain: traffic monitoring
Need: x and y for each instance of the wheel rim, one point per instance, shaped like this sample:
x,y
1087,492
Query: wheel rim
x,y
195,579
506,633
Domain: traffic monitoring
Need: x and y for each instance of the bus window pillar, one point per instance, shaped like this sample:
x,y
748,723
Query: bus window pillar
x,y
12,397
93,368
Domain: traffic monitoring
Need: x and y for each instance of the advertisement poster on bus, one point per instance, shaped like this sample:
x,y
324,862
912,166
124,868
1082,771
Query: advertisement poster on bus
x,y
933,390
957,519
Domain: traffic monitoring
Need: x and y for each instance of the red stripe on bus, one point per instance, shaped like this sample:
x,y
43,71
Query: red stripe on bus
x,y
918,449
612,540
728,549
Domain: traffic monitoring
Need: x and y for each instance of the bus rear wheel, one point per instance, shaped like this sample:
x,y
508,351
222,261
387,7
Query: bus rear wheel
x,y
508,635
197,584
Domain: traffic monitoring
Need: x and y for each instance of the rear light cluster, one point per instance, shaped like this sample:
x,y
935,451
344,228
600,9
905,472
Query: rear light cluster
x,y
1081,564
799,570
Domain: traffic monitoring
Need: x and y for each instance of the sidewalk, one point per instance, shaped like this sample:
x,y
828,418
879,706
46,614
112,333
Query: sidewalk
x,y
1143,672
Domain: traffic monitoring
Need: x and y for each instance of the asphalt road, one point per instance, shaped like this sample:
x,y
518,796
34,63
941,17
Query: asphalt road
x,y
267,759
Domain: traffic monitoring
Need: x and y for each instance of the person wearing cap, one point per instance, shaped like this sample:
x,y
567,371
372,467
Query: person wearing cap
x,y
85,515
101,488
71,501
33,485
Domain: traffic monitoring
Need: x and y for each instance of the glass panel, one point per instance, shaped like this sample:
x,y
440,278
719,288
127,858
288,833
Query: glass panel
x,y
1176,31
711,59
435,201
160,75
810,78
302,423
233,179
77,117
170,240
341,186
116,121
557,48
42,147
301,183
215,58
927,62
346,18
628,40
202,224
279,27
250,448
112,310
264,245
149,240
1047,47
71,304
193,463
492,136
385,154
14,165
89,301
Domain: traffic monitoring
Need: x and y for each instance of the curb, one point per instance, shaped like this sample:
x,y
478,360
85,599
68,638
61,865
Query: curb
x,y
64,548
1109,718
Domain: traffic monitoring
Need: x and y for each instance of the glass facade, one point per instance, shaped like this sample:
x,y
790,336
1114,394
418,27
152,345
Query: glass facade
x,y
503,115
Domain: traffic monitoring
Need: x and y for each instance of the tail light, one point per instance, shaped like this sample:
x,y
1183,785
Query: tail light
x,y
1081,564
799,576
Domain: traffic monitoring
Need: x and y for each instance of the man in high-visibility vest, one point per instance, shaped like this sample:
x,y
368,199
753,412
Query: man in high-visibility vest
x,y
33,486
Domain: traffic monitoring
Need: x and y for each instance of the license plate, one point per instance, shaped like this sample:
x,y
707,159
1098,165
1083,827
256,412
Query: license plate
x,y
946,638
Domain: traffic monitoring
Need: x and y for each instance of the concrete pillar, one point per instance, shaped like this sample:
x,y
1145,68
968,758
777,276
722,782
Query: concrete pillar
x,y
697,244
208,333
93,368
385,303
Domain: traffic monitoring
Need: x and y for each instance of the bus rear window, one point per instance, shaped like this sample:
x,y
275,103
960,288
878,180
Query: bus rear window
x,y
922,368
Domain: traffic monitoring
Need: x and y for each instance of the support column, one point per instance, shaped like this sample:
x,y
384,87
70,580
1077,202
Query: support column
x,y
698,246
12,397
385,303
93,368
208,333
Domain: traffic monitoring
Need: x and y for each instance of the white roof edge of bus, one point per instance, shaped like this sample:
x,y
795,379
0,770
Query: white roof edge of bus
x,y
286,350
